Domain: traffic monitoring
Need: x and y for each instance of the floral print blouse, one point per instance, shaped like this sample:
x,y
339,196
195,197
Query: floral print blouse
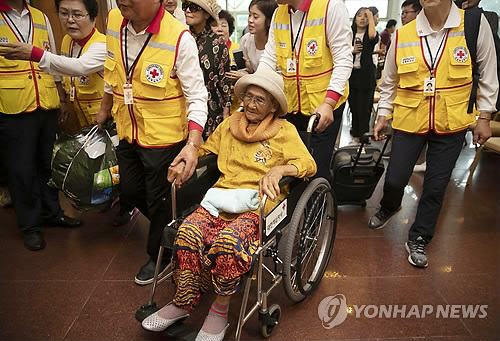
x,y
214,62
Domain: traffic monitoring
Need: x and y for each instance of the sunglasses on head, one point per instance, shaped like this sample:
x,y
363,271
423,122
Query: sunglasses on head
x,y
191,6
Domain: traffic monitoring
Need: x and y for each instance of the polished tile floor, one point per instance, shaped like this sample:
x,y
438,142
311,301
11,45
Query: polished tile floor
x,y
81,286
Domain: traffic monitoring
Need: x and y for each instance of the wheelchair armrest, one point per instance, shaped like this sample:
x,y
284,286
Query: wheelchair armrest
x,y
206,160
286,180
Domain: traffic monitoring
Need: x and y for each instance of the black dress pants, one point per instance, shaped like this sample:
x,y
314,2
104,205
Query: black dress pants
x,y
442,154
27,141
322,144
143,179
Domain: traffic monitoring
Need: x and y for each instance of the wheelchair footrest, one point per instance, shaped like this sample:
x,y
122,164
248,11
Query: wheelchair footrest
x,y
179,331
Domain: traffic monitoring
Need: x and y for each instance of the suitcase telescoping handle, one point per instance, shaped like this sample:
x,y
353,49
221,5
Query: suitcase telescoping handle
x,y
364,140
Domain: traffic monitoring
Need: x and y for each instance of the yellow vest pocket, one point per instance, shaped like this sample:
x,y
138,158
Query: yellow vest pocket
x,y
408,75
456,108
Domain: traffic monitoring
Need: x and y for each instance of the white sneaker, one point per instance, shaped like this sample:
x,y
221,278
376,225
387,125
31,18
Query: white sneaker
x,y
420,168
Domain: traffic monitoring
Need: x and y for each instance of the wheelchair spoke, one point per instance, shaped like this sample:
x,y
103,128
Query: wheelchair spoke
x,y
312,244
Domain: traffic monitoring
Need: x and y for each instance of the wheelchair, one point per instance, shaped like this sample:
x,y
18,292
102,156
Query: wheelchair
x,y
296,240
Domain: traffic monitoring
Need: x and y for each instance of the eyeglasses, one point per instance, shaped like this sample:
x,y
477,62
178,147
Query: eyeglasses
x,y
260,101
77,16
407,12
192,7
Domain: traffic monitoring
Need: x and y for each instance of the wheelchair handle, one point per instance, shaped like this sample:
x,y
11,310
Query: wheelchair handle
x,y
313,121
364,140
173,192
262,220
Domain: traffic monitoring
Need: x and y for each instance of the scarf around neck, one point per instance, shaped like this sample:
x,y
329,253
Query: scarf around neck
x,y
267,128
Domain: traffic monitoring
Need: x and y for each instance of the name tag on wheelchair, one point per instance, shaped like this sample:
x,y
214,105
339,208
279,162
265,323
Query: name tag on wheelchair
x,y
276,216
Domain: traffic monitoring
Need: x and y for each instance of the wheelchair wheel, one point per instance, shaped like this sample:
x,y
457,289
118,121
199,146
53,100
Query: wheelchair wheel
x,y
271,321
310,238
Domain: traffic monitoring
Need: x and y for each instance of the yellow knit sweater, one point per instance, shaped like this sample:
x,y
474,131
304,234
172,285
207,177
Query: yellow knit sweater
x,y
243,164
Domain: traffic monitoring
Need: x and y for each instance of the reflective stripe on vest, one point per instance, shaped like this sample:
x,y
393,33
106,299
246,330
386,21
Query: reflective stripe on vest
x,y
158,116
89,88
23,86
306,89
446,111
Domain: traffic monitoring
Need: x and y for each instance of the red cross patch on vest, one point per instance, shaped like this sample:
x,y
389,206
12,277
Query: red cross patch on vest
x,y
154,73
460,54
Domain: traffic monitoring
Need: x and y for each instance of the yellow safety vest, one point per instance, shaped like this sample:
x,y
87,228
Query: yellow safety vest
x,y
446,111
23,86
89,88
306,88
158,116
234,47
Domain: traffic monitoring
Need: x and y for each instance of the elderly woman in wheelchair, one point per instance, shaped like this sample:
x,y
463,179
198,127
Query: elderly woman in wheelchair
x,y
215,245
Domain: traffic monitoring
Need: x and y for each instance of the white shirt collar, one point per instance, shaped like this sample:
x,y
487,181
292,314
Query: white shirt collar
x,y
134,33
16,13
424,28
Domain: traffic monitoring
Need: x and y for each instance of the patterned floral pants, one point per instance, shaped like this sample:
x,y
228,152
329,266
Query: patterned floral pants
x,y
212,250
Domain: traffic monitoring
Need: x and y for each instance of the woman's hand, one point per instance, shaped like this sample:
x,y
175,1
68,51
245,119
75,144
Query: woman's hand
x,y
63,112
104,110
101,117
357,48
269,183
16,51
188,156
248,65
175,173
235,75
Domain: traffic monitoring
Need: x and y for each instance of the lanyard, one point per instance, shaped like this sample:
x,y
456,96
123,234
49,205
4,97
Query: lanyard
x,y
294,42
433,60
72,79
127,69
17,29
71,51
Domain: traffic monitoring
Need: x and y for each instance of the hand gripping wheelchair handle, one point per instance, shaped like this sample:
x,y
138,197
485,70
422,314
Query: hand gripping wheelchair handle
x,y
170,231
311,125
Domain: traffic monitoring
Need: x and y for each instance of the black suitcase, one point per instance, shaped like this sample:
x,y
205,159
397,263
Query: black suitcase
x,y
356,171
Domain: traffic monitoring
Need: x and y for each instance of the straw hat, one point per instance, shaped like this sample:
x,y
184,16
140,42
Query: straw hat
x,y
272,82
210,6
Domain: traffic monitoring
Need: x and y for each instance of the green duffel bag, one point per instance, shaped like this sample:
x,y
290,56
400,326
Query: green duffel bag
x,y
85,167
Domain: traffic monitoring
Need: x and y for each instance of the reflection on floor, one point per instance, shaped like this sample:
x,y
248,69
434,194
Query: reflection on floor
x,y
81,286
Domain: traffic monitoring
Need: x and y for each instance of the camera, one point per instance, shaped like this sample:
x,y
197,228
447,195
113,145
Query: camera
x,y
234,67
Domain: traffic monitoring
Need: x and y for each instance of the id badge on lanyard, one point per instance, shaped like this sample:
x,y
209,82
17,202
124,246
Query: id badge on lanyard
x,y
72,93
429,86
128,94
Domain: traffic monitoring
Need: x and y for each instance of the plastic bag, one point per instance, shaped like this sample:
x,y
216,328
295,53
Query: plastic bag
x,y
85,167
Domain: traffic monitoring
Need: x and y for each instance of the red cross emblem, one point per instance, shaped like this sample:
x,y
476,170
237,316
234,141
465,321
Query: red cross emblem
x,y
460,54
46,46
154,73
83,80
312,47
283,206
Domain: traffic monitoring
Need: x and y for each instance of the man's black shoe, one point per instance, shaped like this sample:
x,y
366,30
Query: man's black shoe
x,y
34,241
379,219
64,221
147,272
416,252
